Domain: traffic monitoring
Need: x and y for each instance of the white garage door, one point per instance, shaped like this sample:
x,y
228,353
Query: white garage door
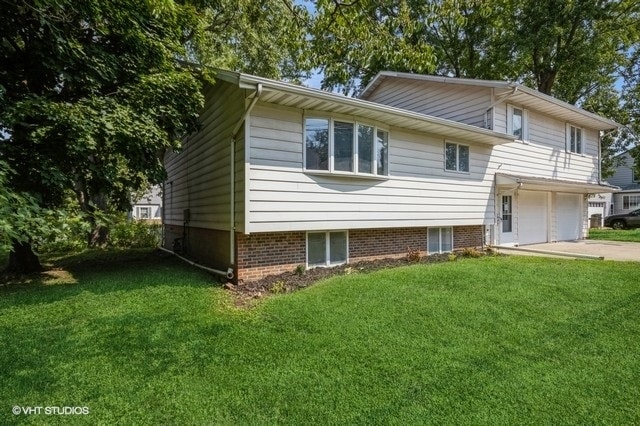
x,y
569,217
532,217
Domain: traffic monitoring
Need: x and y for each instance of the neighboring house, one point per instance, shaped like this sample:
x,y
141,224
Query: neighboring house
x,y
282,175
628,198
149,206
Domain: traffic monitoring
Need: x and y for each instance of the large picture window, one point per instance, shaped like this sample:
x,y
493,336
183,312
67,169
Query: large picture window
x,y
345,147
456,157
326,248
440,240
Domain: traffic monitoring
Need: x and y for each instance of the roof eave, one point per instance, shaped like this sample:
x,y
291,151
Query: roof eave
x,y
477,133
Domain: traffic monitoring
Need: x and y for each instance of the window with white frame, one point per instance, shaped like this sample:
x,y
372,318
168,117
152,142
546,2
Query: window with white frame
x,y
634,176
327,248
456,157
630,202
574,139
440,240
345,147
517,122
488,119
144,212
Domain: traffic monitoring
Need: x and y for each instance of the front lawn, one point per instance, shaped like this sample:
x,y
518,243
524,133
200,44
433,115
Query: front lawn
x,y
496,340
632,235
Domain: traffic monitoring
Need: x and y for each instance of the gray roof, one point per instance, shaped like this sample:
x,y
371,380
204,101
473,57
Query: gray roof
x,y
520,95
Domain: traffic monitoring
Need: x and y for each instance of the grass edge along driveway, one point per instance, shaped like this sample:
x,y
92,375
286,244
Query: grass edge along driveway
x,y
491,340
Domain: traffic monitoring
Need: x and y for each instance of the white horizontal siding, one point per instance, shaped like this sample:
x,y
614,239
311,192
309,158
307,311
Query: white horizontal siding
x,y
623,175
418,193
545,154
199,175
465,104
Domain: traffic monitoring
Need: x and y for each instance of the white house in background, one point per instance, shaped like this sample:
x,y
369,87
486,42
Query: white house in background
x,y
628,198
282,175
149,206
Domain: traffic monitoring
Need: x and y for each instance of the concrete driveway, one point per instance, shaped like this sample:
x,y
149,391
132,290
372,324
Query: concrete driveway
x,y
593,249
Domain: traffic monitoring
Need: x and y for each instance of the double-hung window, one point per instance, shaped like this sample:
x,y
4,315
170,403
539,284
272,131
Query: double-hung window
x,y
326,248
517,122
630,201
339,146
574,139
456,157
144,212
440,240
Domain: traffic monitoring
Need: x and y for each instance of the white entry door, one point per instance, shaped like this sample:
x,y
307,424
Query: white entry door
x,y
506,224
569,217
532,217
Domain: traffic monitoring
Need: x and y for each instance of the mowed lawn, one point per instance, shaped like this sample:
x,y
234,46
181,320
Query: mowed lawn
x,y
495,340
631,235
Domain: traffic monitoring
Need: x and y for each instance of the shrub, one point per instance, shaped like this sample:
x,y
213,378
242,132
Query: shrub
x,y
413,255
135,234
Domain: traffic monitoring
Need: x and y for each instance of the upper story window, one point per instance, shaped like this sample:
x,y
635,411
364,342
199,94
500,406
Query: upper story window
x,y
574,139
634,176
456,157
345,147
517,122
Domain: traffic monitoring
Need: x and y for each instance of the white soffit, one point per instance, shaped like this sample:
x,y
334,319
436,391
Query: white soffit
x,y
533,183
305,98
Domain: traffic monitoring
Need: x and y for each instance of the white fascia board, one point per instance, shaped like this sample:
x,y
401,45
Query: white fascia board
x,y
490,136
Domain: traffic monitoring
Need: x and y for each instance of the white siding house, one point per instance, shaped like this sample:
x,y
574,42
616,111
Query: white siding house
x,y
148,206
628,198
282,175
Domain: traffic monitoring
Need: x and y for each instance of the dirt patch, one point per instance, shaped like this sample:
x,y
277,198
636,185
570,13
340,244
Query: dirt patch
x,y
295,280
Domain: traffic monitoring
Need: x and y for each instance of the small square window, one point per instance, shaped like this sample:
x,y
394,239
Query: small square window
x,y
456,157
327,248
440,240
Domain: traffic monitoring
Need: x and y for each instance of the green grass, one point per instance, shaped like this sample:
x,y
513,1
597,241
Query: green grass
x,y
497,340
632,235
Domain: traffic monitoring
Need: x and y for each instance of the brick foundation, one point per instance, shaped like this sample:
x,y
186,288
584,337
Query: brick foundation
x,y
372,244
259,255
262,254
467,236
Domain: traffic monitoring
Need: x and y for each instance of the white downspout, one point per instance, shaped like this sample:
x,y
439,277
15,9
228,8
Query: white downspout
x,y
232,203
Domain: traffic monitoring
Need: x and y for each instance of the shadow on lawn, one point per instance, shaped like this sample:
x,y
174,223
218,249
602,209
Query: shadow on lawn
x,y
99,272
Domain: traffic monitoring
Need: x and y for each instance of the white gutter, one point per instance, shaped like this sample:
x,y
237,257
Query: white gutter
x,y
245,81
232,202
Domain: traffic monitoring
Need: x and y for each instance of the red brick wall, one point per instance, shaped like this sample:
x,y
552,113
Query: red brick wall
x,y
371,244
467,236
262,254
259,255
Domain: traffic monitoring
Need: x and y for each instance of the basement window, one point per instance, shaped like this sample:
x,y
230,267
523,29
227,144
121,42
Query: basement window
x,y
327,248
440,240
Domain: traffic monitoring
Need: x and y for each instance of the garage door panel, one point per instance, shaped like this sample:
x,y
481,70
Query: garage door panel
x,y
568,217
532,217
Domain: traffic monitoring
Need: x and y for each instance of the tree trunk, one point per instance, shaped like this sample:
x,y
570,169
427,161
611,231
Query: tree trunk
x,y
22,259
98,236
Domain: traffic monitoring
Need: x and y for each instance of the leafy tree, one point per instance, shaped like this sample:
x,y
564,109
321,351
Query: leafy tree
x,y
92,94
574,50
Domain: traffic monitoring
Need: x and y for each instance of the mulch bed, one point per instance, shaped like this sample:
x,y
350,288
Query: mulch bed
x,y
292,281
